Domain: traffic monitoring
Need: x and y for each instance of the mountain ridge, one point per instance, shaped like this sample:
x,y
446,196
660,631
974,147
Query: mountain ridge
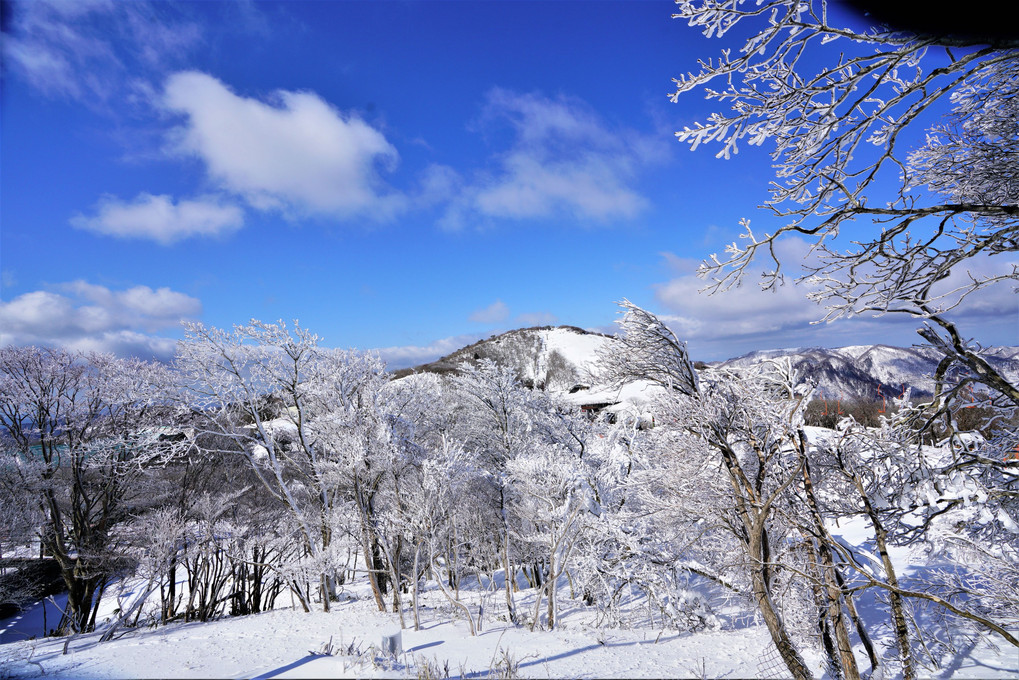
x,y
564,358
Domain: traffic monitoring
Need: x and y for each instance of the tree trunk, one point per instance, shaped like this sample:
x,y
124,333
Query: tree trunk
x,y
414,594
324,587
171,597
894,599
753,512
551,601
381,569
95,606
369,562
510,607
821,601
846,659
459,605
850,671
861,630
776,627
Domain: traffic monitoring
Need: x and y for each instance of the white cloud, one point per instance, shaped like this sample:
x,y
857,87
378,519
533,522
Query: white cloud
x,y
162,306
85,49
437,184
156,39
996,300
125,343
296,153
412,355
160,219
493,313
537,319
532,186
743,311
83,315
563,161
746,310
48,70
37,313
746,318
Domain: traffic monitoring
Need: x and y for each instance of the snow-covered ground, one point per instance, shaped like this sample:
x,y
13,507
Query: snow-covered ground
x,y
290,644
347,642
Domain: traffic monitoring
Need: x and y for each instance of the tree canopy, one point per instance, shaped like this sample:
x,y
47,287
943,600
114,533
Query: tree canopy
x,y
917,134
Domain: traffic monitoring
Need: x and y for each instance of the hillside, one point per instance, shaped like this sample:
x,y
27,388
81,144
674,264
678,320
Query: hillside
x,y
548,357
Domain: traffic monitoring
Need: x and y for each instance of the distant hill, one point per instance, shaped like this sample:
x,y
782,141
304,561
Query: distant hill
x,y
564,358
859,371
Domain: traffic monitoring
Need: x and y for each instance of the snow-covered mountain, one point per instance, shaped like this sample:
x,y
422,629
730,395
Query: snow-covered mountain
x,y
549,357
860,371
562,358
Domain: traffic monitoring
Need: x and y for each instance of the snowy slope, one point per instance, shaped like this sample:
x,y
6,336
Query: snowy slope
x,y
346,642
556,358
289,644
560,359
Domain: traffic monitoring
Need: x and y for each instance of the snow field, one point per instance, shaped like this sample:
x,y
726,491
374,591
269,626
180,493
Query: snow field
x,y
289,643
346,642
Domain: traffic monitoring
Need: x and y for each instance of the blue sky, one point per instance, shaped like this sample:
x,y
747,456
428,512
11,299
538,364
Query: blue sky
x,y
400,176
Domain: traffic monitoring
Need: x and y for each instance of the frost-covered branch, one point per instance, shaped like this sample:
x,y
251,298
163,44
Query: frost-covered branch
x,y
851,116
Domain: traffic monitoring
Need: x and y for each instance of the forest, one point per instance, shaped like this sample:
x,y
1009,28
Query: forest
x,y
262,470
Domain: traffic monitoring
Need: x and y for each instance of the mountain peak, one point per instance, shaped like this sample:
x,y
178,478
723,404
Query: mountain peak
x,y
541,355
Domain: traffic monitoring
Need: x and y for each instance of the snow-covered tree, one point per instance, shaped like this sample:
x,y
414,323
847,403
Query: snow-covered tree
x,y
80,432
917,134
852,112
647,349
537,482
960,513
554,495
496,422
779,491
306,418
736,437
20,515
443,509
741,423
